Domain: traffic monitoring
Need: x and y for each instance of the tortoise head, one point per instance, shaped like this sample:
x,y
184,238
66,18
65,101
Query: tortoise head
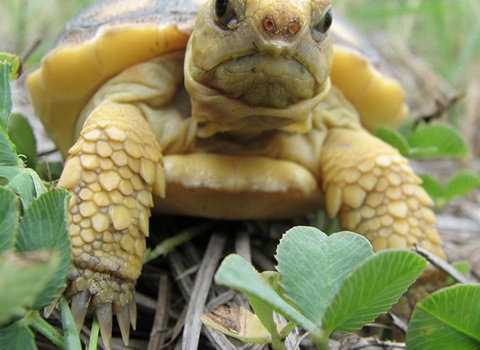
x,y
258,64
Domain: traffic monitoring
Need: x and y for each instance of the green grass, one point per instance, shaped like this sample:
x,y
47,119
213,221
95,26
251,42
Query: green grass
x,y
445,33
24,22
445,36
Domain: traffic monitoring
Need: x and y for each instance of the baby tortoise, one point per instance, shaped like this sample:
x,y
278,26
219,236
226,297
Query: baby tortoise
x,y
237,109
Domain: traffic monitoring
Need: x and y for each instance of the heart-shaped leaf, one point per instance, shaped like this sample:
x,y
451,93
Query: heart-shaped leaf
x,y
313,266
437,140
394,139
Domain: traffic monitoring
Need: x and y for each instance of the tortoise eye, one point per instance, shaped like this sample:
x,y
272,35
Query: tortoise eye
x,y
225,13
221,7
323,26
327,21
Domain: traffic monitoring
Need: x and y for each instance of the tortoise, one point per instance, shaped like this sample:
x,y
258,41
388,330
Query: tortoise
x,y
234,109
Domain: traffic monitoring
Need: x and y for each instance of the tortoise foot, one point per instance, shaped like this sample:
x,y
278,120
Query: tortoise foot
x,y
373,191
112,171
107,295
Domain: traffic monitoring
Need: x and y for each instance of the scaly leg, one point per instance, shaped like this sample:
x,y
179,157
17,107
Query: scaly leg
x,y
111,172
373,191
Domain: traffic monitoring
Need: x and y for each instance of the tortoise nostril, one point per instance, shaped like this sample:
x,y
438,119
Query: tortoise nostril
x,y
293,28
284,25
269,23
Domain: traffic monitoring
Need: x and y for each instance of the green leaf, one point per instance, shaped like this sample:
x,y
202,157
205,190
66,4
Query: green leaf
x,y
21,134
21,182
313,266
5,95
461,266
17,336
372,289
8,155
393,138
449,317
407,127
39,187
433,187
15,63
22,279
8,219
44,226
235,272
437,140
461,183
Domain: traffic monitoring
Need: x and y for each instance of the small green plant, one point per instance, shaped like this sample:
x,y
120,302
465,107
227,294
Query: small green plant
x,y
450,317
322,284
35,253
460,184
19,137
427,141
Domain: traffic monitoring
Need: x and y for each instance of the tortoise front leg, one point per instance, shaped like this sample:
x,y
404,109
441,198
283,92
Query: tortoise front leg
x,y
111,172
373,191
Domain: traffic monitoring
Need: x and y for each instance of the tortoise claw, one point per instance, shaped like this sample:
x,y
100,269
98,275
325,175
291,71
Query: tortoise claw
x,y
126,312
104,318
132,308
123,318
107,296
79,307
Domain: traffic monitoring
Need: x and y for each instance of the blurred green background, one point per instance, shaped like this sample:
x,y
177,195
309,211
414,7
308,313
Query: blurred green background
x,y
432,45
444,32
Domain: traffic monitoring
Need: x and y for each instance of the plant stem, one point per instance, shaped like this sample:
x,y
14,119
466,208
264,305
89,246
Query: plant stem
x,y
287,329
94,332
278,343
40,325
72,340
320,339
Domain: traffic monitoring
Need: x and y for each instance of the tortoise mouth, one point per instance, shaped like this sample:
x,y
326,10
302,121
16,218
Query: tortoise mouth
x,y
263,80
